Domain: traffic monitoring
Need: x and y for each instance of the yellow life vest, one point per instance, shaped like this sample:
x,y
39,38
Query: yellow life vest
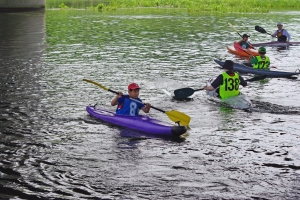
x,y
262,63
230,85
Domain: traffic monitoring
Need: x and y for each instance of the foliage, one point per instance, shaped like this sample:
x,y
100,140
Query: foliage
x,y
256,6
63,6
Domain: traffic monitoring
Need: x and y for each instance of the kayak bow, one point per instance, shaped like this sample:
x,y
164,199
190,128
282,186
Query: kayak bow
x,y
269,74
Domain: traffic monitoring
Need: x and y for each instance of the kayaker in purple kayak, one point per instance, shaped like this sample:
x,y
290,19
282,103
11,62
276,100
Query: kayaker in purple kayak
x,y
127,104
281,34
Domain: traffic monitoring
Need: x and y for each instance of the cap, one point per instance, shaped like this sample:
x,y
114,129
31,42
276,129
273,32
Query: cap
x,y
133,86
245,35
228,64
279,24
262,50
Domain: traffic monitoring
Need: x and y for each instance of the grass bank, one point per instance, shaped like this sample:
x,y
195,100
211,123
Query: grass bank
x,y
258,6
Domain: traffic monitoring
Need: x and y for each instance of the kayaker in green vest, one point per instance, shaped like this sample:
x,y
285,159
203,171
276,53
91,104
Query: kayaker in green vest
x,y
126,104
245,44
261,61
227,84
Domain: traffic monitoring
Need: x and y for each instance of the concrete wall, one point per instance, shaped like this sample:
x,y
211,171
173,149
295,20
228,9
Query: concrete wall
x,y
22,4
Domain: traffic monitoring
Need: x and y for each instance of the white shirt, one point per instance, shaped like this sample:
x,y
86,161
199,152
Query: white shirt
x,y
284,32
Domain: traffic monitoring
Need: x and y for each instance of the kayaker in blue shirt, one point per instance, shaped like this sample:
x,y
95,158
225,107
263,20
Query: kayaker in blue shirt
x,y
281,34
245,44
126,103
227,84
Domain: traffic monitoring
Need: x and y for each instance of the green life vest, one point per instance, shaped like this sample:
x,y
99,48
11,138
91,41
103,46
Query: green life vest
x,y
230,85
262,63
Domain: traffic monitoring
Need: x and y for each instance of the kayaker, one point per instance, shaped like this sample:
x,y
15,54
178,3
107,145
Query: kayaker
x,y
245,44
227,84
126,104
261,61
281,34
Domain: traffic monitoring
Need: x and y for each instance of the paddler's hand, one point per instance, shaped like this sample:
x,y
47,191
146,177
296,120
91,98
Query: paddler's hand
x,y
210,88
147,107
120,94
114,102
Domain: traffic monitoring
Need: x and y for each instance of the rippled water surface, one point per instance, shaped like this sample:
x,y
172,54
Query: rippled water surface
x,y
51,148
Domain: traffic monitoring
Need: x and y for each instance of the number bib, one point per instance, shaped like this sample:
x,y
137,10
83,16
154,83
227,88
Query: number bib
x,y
262,63
230,85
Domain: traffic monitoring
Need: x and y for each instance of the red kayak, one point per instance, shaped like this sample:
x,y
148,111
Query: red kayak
x,y
238,50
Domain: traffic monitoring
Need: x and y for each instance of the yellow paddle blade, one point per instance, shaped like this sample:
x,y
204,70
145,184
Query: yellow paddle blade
x,y
180,117
98,84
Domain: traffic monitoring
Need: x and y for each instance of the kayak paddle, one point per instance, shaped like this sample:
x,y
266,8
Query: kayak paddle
x,y
174,115
186,92
238,33
183,93
257,78
261,30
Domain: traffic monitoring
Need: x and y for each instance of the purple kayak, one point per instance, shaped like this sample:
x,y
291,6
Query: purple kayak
x,y
139,123
276,44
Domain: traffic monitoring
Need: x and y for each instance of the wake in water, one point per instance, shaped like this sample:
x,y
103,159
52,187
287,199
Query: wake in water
x,y
261,106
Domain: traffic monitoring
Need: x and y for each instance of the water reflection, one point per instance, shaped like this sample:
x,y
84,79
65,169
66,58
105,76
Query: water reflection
x,y
51,148
22,38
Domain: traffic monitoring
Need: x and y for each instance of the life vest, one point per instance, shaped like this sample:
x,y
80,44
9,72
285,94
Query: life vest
x,y
230,85
244,45
280,36
262,63
127,106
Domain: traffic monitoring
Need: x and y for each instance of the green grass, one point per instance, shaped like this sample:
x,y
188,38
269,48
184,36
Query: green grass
x,y
191,5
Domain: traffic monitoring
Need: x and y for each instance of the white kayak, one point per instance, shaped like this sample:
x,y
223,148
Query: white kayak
x,y
240,101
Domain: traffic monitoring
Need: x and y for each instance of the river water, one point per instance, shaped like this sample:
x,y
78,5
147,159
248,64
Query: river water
x,y
50,148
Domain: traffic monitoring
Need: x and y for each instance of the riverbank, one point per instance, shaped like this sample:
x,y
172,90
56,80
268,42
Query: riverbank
x,y
257,6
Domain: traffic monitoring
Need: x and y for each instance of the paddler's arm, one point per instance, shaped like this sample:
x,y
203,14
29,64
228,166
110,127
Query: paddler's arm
x,y
215,84
147,107
253,60
114,102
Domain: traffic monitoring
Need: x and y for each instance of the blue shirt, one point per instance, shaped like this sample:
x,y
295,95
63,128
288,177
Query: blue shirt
x,y
127,106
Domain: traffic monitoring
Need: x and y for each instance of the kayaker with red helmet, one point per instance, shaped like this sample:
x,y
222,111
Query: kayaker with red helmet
x,y
126,104
227,83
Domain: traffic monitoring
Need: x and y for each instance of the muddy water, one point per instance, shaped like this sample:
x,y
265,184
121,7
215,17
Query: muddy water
x,y
51,149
